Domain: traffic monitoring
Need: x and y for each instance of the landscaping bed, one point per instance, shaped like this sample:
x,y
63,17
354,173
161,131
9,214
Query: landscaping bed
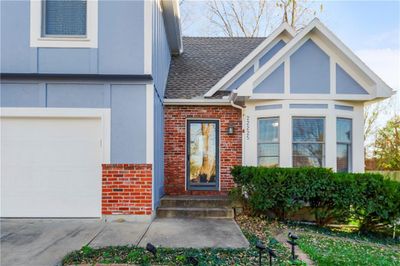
x,y
325,246
182,256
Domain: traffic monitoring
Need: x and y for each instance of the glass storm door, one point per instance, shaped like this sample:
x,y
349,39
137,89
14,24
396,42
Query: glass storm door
x,y
202,155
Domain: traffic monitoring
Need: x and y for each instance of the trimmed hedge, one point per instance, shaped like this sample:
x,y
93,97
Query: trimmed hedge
x,y
369,198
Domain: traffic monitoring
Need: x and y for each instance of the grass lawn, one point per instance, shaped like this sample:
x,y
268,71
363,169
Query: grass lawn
x,y
323,246
328,250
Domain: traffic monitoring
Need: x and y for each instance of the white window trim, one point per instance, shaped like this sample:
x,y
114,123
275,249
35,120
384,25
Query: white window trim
x,y
323,118
89,41
269,142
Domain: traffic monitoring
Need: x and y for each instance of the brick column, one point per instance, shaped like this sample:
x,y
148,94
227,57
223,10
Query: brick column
x,y
127,189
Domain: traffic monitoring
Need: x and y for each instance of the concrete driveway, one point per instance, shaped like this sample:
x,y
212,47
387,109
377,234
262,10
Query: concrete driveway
x,y
46,242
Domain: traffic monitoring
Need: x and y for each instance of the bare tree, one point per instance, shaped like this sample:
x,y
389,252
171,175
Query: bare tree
x,y
238,18
374,114
258,17
298,13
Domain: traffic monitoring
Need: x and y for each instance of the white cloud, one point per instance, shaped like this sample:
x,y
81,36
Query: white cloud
x,y
385,63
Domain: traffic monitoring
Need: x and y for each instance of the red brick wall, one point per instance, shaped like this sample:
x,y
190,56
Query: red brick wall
x,y
175,145
127,189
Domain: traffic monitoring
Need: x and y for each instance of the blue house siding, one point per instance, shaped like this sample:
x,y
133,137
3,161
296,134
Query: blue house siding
x,y
274,83
67,60
16,55
120,42
23,95
128,123
127,103
161,58
345,84
241,79
309,70
271,52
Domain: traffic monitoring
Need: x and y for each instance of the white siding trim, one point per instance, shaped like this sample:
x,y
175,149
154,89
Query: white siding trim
x,y
36,39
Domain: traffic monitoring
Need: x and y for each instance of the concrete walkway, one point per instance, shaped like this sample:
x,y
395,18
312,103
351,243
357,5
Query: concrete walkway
x,y
46,242
195,233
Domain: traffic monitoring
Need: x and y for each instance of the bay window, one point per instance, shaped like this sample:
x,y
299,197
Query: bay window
x,y
343,144
268,142
308,141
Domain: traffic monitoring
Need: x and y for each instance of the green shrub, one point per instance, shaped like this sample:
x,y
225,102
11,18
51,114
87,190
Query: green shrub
x,y
377,203
369,198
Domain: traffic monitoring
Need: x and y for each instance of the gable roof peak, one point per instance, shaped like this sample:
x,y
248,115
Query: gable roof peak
x,y
283,28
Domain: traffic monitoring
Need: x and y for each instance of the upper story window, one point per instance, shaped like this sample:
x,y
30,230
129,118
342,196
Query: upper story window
x,y
308,141
64,18
64,23
343,144
268,142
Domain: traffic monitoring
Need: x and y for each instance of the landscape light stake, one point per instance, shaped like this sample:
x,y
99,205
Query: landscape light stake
x,y
260,246
272,254
192,261
152,249
292,242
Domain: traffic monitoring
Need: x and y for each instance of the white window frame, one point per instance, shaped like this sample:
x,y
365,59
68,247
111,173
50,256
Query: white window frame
x,y
268,142
349,144
88,41
310,142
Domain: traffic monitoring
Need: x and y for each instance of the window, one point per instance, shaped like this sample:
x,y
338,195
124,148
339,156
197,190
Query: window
x,y
64,18
308,141
63,23
268,142
343,144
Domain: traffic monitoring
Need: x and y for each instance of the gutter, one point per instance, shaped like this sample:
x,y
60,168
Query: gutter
x,y
197,102
232,98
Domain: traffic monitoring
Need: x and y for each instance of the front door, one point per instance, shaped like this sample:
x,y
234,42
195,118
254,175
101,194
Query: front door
x,y
202,154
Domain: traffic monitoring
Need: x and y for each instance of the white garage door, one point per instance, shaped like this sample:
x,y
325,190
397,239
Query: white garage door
x,y
51,167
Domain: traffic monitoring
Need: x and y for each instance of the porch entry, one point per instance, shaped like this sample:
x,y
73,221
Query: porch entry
x,y
202,159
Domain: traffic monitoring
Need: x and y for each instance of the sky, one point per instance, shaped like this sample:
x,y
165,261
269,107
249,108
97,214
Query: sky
x,y
370,28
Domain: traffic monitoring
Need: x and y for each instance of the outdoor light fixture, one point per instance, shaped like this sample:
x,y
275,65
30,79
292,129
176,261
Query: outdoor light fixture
x,y
192,261
260,246
152,249
271,254
292,242
231,129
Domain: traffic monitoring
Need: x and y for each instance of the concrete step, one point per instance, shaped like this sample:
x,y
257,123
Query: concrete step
x,y
175,212
195,202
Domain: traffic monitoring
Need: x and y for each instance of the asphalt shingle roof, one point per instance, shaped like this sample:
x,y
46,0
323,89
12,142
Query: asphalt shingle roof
x,y
204,62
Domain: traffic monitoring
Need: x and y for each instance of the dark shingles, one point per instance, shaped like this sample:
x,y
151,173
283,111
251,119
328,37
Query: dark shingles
x,y
204,62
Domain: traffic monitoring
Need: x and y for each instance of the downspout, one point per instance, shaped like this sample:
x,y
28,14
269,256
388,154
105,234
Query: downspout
x,y
232,102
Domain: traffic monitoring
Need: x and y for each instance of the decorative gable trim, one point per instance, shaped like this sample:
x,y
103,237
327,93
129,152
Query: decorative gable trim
x,y
245,63
317,31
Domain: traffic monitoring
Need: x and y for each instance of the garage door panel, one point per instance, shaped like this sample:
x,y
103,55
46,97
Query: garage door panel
x,y
51,167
